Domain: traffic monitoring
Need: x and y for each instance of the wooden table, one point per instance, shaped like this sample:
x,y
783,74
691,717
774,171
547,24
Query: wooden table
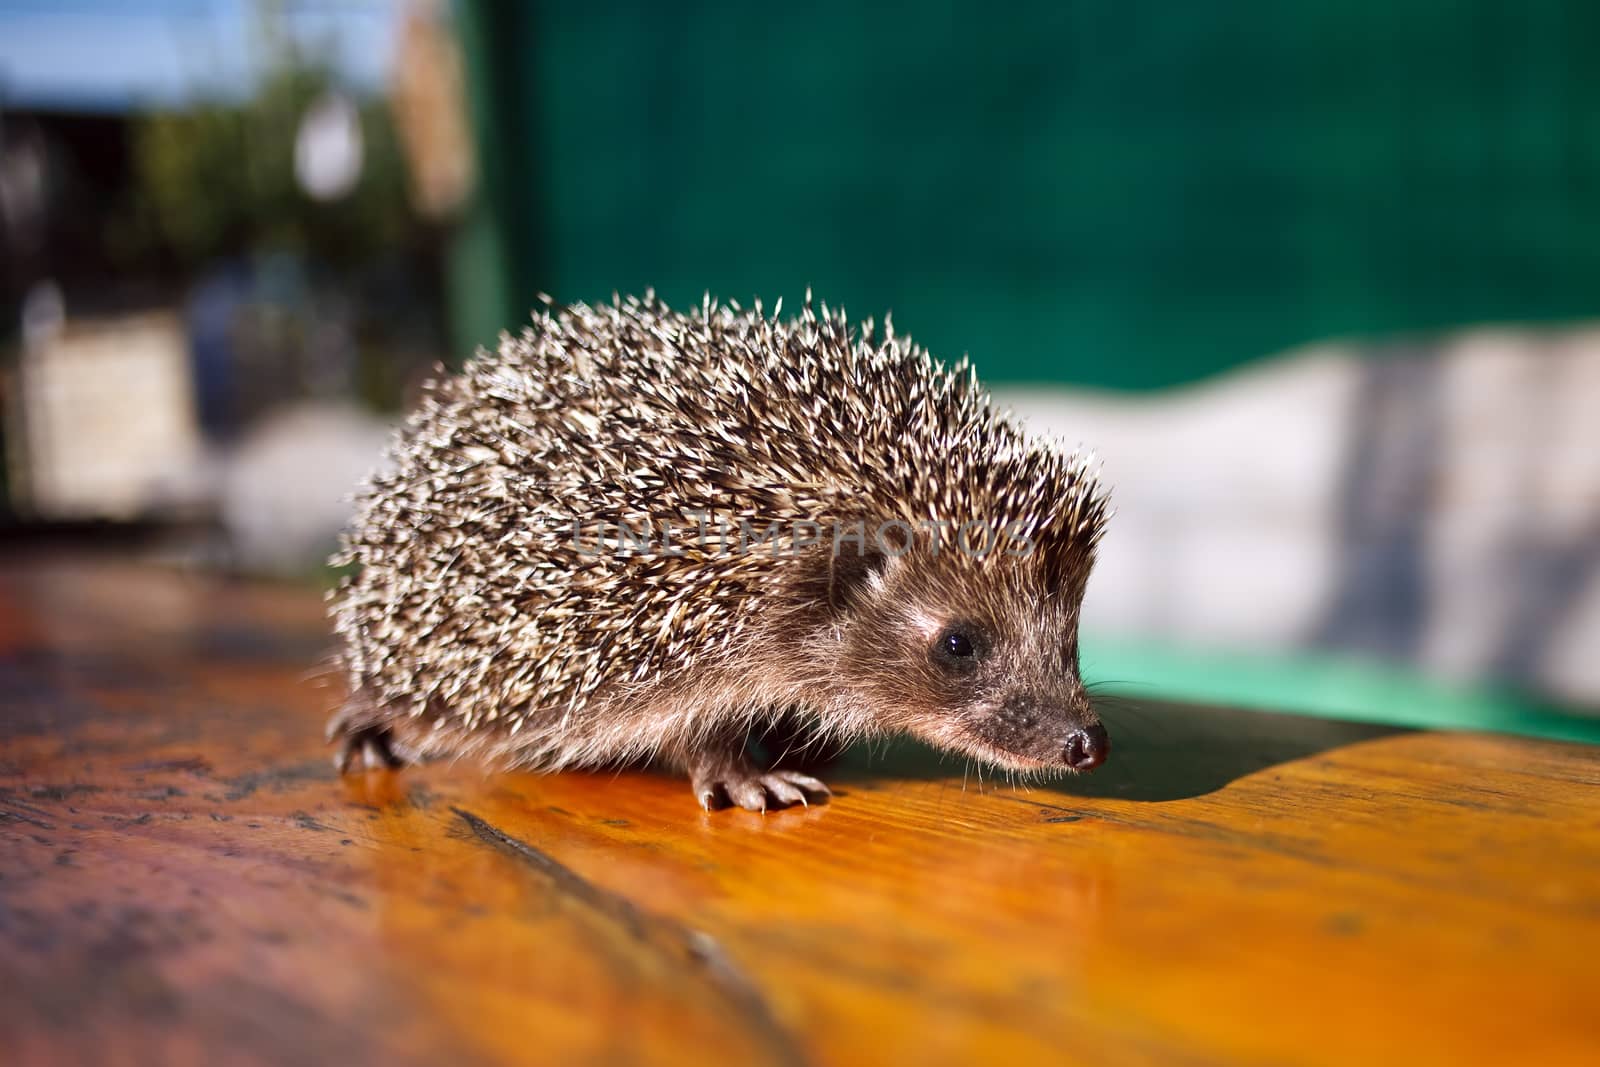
x,y
184,880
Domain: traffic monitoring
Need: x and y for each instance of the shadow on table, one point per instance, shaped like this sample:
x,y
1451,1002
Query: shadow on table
x,y
1159,752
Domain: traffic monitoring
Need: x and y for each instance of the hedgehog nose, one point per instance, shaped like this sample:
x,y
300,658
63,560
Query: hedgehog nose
x,y
1086,748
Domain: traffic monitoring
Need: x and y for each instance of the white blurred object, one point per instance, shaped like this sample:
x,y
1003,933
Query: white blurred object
x,y
1436,503
328,149
1224,525
44,315
103,421
287,489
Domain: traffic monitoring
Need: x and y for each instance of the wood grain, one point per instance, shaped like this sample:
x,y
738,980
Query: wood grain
x,y
184,880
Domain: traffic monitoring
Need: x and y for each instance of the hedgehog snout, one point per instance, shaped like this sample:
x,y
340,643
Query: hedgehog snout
x,y
1064,733
1086,747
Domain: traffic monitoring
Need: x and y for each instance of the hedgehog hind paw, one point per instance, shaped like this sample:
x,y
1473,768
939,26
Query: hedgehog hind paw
x,y
369,748
361,731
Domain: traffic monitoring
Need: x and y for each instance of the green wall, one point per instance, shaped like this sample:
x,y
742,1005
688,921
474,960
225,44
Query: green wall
x,y
1119,194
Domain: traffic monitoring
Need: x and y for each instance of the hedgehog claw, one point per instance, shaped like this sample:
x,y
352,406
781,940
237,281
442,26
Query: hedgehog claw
x,y
747,793
782,791
805,783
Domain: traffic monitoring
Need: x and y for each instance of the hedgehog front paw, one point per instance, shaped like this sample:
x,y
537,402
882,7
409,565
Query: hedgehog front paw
x,y
724,781
760,791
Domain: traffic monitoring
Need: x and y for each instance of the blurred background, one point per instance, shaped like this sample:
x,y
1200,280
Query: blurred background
x,y
1320,282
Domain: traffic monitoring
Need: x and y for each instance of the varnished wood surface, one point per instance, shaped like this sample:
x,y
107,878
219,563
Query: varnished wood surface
x,y
183,880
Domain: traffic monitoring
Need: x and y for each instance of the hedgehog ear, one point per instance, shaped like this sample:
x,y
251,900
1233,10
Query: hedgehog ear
x,y
1063,565
852,576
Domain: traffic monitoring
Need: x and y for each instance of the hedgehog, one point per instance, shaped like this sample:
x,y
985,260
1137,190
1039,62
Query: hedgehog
x,y
630,534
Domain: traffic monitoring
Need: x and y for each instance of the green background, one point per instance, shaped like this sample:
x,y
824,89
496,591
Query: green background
x,y
1118,194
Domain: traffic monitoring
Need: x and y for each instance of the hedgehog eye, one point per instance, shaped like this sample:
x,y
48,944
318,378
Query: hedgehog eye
x,y
956,649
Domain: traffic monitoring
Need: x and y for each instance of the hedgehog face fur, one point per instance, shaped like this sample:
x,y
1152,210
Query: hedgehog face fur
x,y
631,533
939,648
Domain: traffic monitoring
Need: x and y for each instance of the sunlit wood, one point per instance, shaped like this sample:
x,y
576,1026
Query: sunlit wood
x,y
184,880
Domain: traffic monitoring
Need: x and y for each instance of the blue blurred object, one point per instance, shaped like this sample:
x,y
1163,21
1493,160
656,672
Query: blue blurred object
x,y
210,317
